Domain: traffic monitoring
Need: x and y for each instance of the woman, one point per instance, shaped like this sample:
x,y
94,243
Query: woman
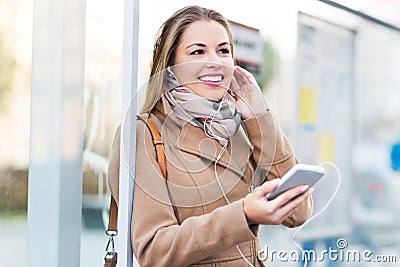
x,y
221,141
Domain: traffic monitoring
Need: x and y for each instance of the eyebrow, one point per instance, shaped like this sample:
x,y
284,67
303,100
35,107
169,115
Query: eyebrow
x,y
203,45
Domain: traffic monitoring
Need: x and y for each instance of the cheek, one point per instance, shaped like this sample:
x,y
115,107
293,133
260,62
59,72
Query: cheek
x,y
185,77
230,65
187,72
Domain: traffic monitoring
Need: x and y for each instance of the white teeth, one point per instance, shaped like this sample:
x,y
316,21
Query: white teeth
x,y
211,78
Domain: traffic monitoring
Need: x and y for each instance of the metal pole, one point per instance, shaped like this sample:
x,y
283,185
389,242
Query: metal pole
x,y
361,15
128,129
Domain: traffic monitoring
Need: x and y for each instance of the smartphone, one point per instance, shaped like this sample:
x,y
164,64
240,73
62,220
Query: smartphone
x,y
299,174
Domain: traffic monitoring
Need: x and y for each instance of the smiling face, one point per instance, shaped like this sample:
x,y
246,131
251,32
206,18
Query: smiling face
x,y
203,59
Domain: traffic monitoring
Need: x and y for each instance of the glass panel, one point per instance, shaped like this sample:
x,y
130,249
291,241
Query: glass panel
x,y
104,27
15,63
376,150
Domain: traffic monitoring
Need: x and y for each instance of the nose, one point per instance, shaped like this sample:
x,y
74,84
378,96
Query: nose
x,y
213,60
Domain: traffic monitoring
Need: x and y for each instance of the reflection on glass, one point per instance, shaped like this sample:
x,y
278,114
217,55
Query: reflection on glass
x,y
104,26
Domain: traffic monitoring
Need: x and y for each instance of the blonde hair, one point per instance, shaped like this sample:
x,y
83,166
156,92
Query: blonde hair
x,y
167,40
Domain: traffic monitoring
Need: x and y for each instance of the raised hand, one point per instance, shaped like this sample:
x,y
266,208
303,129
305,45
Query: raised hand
x,y
249,99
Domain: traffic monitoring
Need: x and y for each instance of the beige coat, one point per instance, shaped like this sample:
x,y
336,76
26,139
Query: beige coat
x,y
188,221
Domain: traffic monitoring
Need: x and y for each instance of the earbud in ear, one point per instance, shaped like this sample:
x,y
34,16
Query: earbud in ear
x,y
171,74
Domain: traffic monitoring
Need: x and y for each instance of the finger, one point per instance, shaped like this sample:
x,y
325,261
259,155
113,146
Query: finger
x,y
267,187
292,205
240,76
245,74
234,85
285,197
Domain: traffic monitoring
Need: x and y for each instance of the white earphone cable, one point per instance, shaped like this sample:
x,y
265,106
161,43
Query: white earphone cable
x,y
211,134
226,198
319,212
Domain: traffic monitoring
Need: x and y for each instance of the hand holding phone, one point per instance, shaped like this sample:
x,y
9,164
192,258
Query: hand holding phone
x,y
299,174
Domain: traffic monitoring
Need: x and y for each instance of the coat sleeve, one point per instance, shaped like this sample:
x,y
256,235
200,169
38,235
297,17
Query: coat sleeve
x,y
157,238
273,153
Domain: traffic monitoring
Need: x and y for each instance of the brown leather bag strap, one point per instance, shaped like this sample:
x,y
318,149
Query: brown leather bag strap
x,y
161,158
110,260
162,162
158,143
111,257
112,221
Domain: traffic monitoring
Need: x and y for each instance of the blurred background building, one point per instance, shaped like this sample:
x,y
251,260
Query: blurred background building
x,y
330,71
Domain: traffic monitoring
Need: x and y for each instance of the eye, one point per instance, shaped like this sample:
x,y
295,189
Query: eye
x,y
224,51
198,52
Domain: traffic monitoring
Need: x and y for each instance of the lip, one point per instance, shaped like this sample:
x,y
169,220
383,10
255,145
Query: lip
x,y
210,81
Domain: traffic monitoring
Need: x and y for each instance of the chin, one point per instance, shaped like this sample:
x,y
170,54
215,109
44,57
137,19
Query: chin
x,y
216,96
210,93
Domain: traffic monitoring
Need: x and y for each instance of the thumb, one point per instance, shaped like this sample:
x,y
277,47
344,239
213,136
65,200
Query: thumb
x,y
267,187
